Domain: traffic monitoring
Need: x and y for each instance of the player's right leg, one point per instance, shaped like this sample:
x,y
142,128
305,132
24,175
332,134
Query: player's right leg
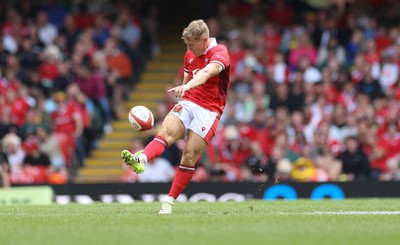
x,y
136,161
171,130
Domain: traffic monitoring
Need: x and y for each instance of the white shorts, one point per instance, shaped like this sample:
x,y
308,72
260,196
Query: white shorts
x,y
197,119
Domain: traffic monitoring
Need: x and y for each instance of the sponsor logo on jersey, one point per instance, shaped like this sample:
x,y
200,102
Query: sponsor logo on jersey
x,y
177,108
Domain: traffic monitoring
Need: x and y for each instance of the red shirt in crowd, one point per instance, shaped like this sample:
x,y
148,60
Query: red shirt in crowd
x,y
272,43
93,86
48,70
281,13
19,108
235,57
64,118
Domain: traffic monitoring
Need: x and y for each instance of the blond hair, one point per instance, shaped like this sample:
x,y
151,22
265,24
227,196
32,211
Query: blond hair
x,y
195,30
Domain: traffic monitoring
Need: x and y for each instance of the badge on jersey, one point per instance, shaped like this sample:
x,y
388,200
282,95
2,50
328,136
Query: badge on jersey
x,y
177,108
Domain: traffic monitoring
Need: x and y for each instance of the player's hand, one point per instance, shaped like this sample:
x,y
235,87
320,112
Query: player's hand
x,y
179,90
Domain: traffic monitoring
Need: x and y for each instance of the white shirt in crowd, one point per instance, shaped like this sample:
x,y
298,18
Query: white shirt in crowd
x,y
157,170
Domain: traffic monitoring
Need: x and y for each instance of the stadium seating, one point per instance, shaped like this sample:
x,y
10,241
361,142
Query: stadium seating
x,y
105,163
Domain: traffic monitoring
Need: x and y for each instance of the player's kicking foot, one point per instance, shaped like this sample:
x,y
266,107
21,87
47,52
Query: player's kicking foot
x,y
133,160
166,208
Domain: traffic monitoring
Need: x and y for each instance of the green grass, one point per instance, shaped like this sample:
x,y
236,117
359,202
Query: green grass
x,y
249,222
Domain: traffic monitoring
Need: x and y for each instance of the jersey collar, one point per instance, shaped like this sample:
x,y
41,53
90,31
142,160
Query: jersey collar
x,y
213,44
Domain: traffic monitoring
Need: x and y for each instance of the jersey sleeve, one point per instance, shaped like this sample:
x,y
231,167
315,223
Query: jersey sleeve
x,y
221,57
186,64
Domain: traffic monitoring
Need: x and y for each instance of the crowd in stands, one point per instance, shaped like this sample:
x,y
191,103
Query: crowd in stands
x,y
65,70
314,95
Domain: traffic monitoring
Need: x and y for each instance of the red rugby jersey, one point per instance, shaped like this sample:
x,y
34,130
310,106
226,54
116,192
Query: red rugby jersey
x,y
212,94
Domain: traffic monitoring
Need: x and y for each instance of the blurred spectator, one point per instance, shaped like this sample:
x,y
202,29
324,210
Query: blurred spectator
x,y
17,106
120,72
392,144
368,85
304,47
356,165
4,170
64,78
84,108
48,69
35,163
67,121
6,125
278,71
14,153
55,12
130,31
101,29
115,34
280,12
389,74
282,98
353,46
92,84
339,127
83,17
50,145
332,50
70,31
16,71
46,31
34,156
33,121
29,54
28,10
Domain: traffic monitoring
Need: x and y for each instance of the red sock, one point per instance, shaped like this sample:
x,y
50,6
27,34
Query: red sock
x,y
181,180
155,148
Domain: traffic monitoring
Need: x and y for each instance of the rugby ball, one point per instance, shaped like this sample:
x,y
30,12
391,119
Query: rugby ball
x,y
141,118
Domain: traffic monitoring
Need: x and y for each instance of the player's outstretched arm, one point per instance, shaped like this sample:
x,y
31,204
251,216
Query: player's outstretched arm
x,y
201,77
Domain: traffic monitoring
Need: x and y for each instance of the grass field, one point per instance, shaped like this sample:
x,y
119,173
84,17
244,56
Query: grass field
x,y
357,221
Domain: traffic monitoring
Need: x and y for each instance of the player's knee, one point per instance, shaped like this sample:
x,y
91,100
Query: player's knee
x,y
171,135
189,158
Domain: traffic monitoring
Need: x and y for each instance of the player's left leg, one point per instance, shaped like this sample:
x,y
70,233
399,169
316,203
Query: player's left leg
x,y
195,146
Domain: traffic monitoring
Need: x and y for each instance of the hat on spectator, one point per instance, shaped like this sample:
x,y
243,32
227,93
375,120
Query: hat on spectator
x,y
30,144
11,139
59,96
52,52
312,75
284,166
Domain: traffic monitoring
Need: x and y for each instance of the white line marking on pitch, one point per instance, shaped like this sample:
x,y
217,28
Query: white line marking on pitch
x,y
343,213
